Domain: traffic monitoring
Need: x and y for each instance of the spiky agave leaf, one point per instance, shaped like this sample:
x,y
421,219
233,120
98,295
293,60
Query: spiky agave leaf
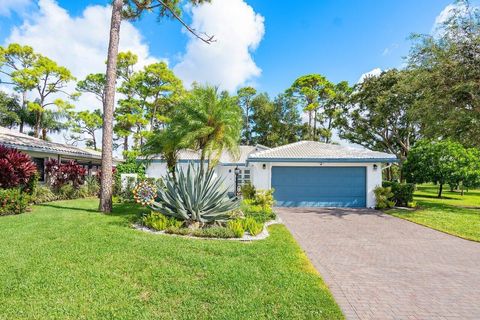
x,y
194,196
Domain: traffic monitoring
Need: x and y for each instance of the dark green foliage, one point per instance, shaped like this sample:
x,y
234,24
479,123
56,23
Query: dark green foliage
x,y
248,191
13,201
402,192
213,232
32,183
383,198
44,194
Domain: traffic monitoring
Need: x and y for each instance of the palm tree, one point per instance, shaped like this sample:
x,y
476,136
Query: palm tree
x,y
209,121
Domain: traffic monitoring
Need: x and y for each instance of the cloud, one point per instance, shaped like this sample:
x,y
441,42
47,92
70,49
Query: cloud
x,y
446,14
388,50
78,43
372,73
9,6
228,62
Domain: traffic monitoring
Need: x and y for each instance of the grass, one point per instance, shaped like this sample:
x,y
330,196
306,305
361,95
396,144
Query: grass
x,y
453,213
64,260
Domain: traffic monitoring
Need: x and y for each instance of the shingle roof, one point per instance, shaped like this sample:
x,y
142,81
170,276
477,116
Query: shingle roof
x,y
14,139
318,151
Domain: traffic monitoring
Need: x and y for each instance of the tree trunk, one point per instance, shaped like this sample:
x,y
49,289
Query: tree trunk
x,y
108,107
440,189
24,107
125,143
315,125
44,134
247,128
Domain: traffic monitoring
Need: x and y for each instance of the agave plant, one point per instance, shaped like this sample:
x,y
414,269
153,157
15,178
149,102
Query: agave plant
x,y
194,196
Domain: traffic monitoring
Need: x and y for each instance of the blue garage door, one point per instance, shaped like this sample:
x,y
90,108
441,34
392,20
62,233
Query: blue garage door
x,y
319,186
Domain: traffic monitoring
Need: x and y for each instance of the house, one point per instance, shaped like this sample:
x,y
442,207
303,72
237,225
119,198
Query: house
x,y
41,150
303,174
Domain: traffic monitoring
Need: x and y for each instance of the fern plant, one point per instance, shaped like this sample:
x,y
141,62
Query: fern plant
x,y
194,196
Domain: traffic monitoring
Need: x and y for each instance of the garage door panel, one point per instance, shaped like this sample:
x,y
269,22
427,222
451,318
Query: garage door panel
x,y
319,186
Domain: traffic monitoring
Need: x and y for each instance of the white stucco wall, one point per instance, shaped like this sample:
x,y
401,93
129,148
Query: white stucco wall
x,y
262,178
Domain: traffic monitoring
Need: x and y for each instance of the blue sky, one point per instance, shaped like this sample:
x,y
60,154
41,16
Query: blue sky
x,y
341,39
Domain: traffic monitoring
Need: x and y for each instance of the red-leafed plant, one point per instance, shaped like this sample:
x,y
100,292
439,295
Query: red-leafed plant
x,y
60,174
16,168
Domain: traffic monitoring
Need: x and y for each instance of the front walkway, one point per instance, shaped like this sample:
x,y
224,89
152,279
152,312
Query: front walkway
x,y
381,267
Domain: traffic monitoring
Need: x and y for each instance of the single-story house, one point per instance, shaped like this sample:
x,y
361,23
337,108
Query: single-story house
x,y
41,150
303,174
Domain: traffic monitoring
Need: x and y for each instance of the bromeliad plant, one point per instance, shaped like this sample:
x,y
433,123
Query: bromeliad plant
x,y
193,196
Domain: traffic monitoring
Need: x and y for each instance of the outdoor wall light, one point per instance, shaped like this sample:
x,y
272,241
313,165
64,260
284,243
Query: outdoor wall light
x,y
264,166
375,167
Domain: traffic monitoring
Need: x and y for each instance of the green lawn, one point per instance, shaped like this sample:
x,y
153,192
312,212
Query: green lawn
x,y
64,260
453,213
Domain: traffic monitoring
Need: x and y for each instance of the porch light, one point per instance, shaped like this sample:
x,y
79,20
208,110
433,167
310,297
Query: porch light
x,y
375,167
264,166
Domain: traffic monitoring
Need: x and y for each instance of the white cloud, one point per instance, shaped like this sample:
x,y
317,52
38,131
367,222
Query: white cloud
x,y
372,73
446,14
227,62
9,6
79,43
390,49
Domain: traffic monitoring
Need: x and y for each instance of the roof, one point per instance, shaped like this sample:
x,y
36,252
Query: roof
x,y
314,151
225,158
14,139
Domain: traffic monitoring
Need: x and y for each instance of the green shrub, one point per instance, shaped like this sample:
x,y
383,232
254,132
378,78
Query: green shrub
x,y
66,192
252,226
264,198
402,192
43,194
32,184
383,196
259,213
213,232
93,186
178,230
236,226
248,191
158,221
13,201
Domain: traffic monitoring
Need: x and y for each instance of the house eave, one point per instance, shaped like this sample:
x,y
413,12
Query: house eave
x,y
325,160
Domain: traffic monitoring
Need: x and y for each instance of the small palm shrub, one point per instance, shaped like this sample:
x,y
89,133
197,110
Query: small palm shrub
x,y
252,226
236,226
16,168
13,201
92,185
158,221
259,213
383,196
264,198
402,192
213,232
193,196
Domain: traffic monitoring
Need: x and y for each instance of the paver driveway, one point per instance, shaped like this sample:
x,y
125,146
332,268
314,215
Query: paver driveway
x,y
382,267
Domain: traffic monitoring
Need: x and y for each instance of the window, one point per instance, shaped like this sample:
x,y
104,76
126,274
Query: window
x,y
244,177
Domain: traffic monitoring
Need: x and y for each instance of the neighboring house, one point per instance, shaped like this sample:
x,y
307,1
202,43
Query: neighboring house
x,y
41,150
303,174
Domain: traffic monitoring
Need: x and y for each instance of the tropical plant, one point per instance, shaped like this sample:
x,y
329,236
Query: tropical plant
x,y
236,226
84,125
196,197
209,121
16,168
248,191
383,198
159,221
252,226
59,174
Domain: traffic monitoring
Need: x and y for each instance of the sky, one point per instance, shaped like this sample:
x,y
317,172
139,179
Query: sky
x,y
263,43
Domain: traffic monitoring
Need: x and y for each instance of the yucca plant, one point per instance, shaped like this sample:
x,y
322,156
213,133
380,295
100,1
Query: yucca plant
x,y
194,196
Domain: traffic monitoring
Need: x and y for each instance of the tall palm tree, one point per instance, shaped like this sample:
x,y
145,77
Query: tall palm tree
x,y
209,121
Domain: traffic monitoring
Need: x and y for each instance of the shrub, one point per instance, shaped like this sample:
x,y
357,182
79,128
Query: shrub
x,y
92,185
236,226
180,231
59,174
248,191
32,183
402,192
158,221
264,198
383,196
13,201
16,168
252,226
213,232
43,194
66,192
259,213
194,196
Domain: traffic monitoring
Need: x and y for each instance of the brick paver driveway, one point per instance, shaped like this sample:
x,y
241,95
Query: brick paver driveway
x,y
381,267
